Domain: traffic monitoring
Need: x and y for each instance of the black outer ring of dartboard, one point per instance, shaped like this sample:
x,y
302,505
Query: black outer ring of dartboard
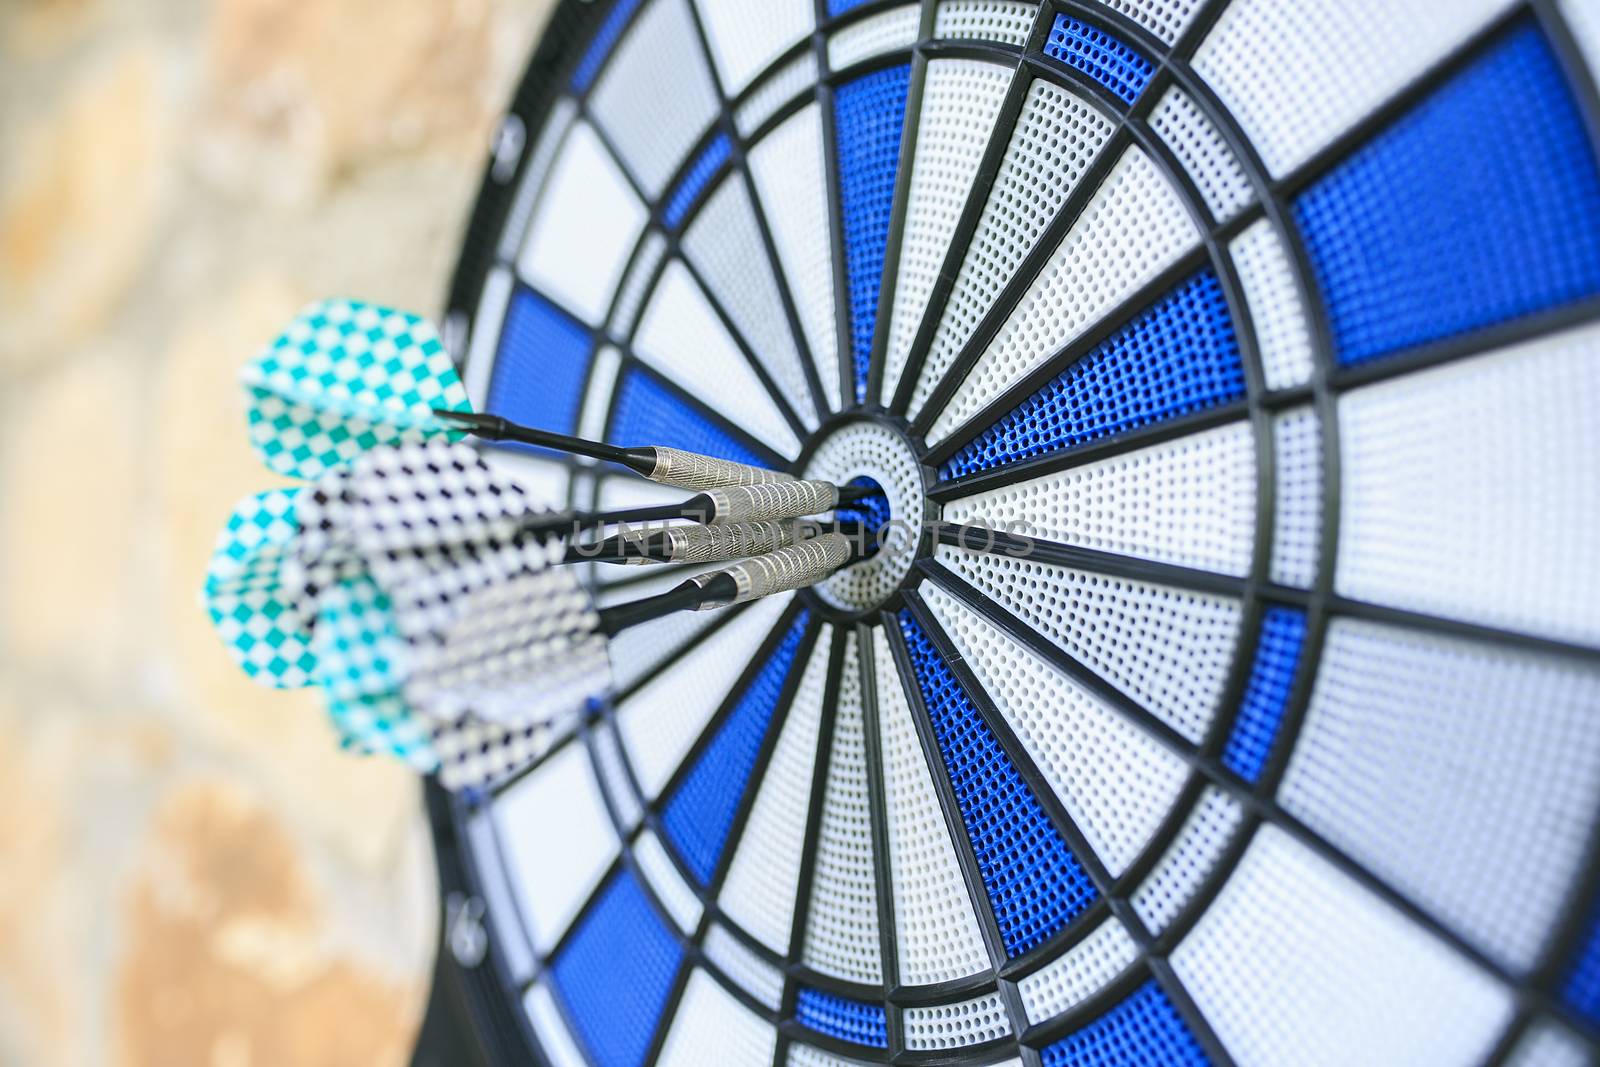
x,y
475,1015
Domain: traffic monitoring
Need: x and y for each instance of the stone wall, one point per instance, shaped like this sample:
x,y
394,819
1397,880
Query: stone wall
x,y
192,873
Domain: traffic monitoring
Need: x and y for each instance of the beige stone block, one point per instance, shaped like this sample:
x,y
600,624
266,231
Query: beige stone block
x,y
301,92
37,1009
226,958
81,201
74,473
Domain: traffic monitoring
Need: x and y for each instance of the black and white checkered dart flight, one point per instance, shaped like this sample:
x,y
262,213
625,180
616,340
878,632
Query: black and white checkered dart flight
x,y
416,587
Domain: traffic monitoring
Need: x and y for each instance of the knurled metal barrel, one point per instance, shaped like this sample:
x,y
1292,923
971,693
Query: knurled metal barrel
x,y
788,568
714,544
690,470
774,500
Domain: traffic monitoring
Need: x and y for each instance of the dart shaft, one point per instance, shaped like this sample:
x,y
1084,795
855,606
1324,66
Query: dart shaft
x,y
669,466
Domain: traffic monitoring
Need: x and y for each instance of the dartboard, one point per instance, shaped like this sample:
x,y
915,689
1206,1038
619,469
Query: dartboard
x,y
1226,685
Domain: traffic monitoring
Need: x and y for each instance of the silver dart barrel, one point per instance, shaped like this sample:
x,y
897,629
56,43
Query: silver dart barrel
x,y
690,470
788,568
771,501
713,544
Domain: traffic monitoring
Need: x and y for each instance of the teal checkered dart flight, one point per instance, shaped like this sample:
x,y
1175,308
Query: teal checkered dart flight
x,y
249,595
348,376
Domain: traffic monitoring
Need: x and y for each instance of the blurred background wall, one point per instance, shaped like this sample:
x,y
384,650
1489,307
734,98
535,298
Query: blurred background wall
x,y
190,873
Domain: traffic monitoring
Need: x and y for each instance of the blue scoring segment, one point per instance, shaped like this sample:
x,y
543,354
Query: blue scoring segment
x,y
1422,236
1143,1029
868,115
1092,51
1035,884
600,47
1177,357
839,7
541,367
646,412
1283,633
847,1020
1581,989
695,179
700,812
615,972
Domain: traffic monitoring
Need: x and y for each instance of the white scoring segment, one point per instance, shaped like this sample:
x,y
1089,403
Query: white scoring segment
x,y
1116,781
1283,335
1080,972
660,721
1297,462
1006,21
636,283
676,895
949,1026
724,244
1465,775
803,1055
887,31
1583,19
1167,19
1056,138
937,936
960,100
1168,649
555,1040
759,891
655,96
1190,502
681,336
597,393
612,770
1199,146
711,1026
747,970
585,224
552,893
797,76
842,933
1469,490
1189,861
1295,962
1271,63
744,38
1548,1044
485,337
1133,228
787,166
